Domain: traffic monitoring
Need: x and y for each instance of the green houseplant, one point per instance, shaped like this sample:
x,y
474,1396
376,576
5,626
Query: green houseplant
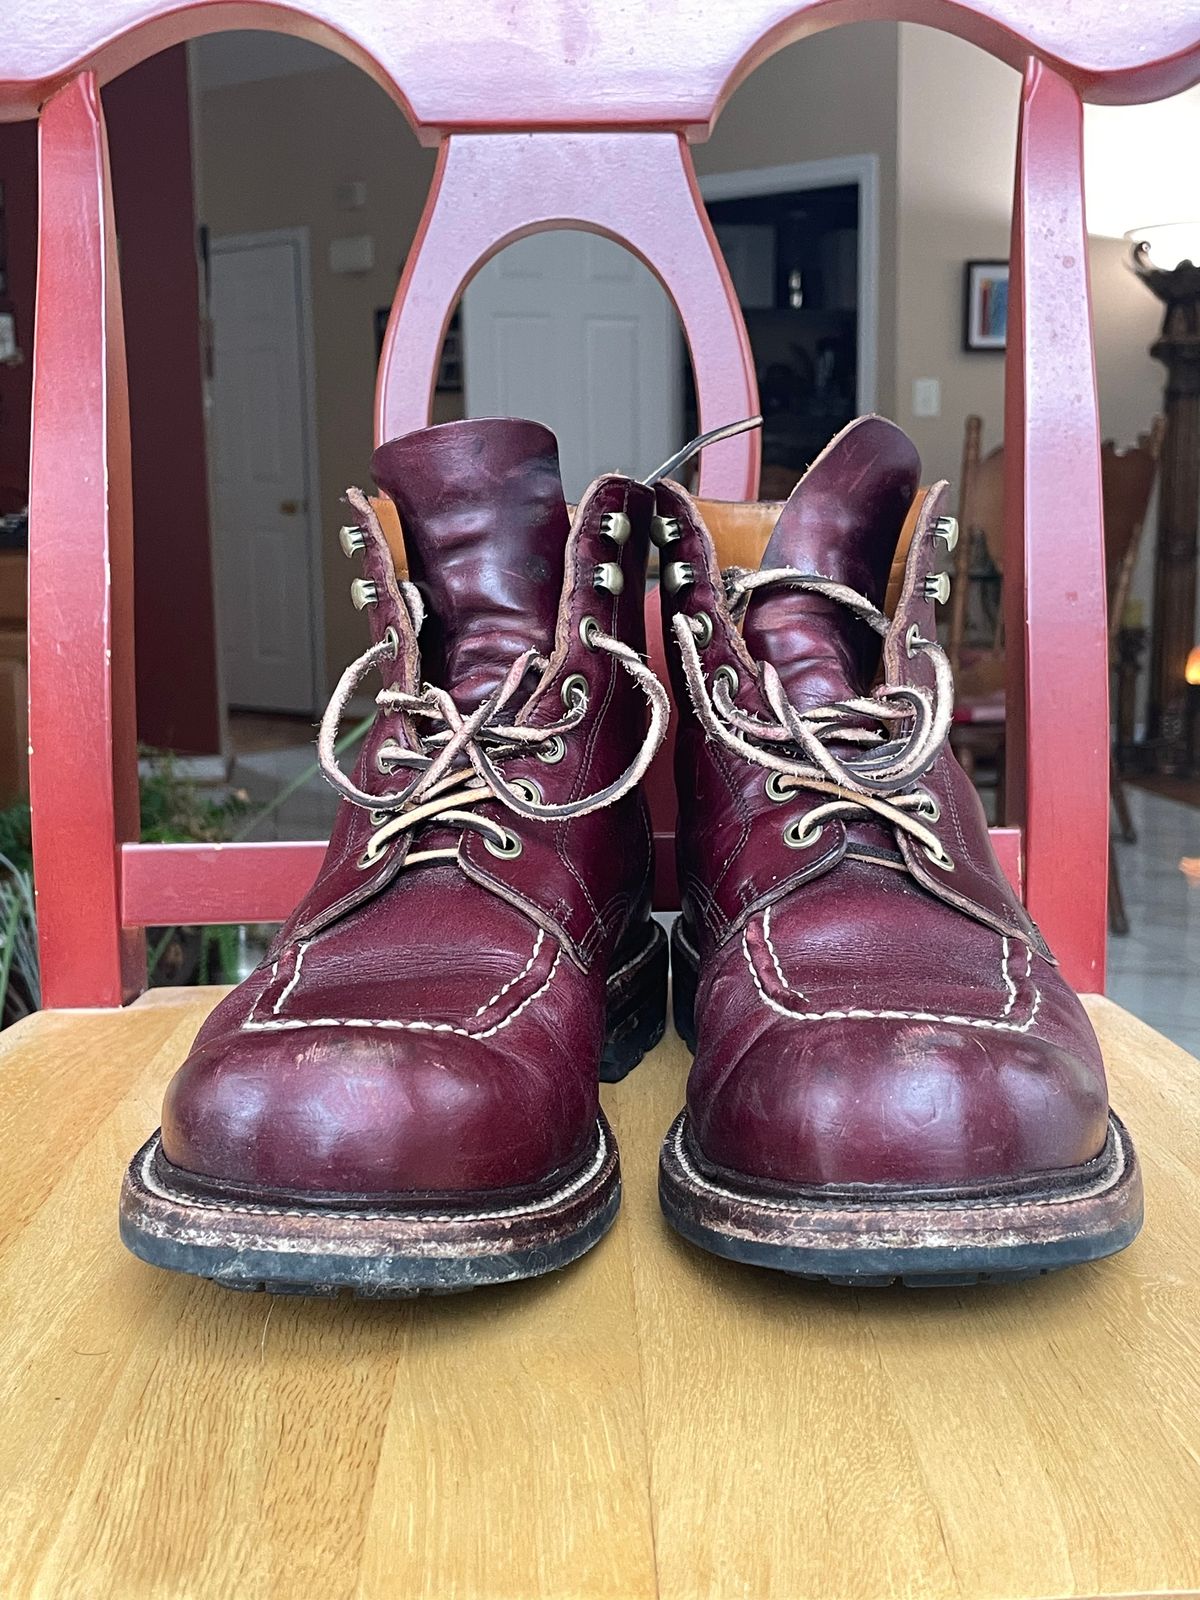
x,y
174,809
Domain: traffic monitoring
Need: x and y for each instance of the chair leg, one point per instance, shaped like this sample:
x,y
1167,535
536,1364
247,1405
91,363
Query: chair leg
x,y
1120,802
1118,922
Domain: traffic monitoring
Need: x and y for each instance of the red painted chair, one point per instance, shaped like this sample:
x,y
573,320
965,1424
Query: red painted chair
x,y
610,153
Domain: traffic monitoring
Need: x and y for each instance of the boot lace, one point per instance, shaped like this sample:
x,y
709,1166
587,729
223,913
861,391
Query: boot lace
x,y
457,766
883,743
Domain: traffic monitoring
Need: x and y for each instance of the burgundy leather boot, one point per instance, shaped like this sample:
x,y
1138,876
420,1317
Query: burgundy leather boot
x,y
403,1097
891,1077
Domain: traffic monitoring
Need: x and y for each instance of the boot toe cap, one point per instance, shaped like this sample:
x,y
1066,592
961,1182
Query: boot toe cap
x,y
368,1111
901,1103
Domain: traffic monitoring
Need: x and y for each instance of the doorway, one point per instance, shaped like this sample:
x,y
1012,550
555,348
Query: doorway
x,y
572,330
263,483
802,246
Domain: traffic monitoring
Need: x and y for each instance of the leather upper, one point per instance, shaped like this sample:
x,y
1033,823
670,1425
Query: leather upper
x,y
437,1028
867,1012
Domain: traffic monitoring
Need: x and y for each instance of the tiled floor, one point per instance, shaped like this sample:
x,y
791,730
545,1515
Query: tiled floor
x,y
1154,970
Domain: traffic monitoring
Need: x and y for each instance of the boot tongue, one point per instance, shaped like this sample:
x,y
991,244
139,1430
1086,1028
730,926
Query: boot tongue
x,y
485,530
843,521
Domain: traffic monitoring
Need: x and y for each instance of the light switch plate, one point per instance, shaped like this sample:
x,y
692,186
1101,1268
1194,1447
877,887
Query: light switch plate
x,y
927,397
355,253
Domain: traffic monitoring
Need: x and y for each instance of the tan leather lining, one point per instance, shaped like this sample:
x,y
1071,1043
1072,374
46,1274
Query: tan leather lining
x,y
389,525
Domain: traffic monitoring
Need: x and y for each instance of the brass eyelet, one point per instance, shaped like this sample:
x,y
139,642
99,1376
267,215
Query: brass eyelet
x,y
727,675
913,640
774,787
507,848
552,752
574,691
369,859
588,629
939,858
382,764
702,629
797,837
393,638
930,809
528,790
378,818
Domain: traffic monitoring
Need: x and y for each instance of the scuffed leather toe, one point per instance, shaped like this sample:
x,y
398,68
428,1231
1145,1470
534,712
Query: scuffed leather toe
x,y
354,1111
899,1103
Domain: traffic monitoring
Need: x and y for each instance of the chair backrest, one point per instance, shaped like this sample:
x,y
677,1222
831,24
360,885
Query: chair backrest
x,y
1127,480
1126,483
595,135
980,516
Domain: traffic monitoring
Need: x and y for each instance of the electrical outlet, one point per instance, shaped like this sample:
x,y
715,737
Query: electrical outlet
x,y
927,397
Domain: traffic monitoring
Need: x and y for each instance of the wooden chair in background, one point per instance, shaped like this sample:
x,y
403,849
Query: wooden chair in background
x,y
978,729
1127,481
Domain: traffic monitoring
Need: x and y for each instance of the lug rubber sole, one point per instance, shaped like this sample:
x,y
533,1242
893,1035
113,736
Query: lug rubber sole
x,y
636,1015
374,1249
872,1235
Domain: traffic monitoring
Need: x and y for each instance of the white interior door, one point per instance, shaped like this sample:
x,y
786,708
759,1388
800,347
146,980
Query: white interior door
x,y
263,480
572,330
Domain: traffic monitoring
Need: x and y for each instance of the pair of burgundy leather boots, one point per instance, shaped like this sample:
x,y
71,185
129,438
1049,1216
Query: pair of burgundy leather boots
x,y
891,1078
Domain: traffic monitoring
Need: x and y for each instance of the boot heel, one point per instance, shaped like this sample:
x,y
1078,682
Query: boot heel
x,y
636,1018
685,968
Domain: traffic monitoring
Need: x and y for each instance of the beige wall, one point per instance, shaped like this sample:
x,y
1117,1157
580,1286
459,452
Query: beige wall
x,y
956,155
272,154
956,142
833,94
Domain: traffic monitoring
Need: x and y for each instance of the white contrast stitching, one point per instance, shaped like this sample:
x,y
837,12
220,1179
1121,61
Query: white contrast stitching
x,y
164,1192
1007,976
861,1014
766,928
525,970
414,1027
295,977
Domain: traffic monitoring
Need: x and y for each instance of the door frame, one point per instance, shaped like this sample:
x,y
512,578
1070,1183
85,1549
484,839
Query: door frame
x,y
299,239
832,172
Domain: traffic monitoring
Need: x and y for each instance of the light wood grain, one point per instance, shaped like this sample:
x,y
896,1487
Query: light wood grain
x,y
652,1421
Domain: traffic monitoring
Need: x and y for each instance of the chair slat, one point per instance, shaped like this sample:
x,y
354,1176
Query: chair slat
x,y
165,884
1054,540
83,756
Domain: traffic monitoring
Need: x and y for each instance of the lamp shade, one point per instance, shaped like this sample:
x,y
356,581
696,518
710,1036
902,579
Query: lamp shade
x,y
1165,246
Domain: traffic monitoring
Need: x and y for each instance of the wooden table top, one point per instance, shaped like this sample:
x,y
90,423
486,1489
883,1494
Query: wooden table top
x,y
652,1421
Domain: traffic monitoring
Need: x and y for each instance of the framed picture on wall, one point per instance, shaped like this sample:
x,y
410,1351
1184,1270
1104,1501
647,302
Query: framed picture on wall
x,y
985,305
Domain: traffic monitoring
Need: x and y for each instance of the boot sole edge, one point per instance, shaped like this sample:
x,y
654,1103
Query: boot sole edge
x,y
373,1252
874,1243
